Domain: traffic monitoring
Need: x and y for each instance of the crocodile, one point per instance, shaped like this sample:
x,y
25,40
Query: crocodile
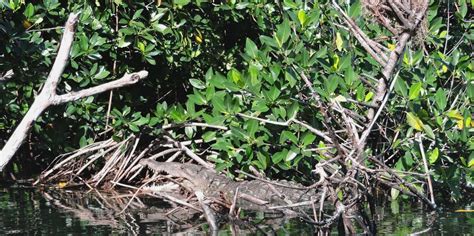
x,y
252,192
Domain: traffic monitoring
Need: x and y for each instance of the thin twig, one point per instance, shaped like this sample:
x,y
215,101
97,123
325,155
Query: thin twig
x,y
427,170
234,202
208,212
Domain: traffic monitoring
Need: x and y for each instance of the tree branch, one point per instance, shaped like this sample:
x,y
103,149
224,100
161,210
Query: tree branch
x,y
48,97
127,79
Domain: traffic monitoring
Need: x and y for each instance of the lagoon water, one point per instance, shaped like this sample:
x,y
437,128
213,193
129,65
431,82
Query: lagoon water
x,y
26,211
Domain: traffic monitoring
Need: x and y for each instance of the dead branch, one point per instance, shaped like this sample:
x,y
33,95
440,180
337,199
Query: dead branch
x,y
48,96
208,212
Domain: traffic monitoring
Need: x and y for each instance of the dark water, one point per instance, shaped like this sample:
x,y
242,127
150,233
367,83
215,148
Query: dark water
x,y
33,212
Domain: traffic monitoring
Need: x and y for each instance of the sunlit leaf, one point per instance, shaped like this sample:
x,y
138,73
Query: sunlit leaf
x,y
302,17
251,48
339,41
414,91
197,83
414,121
454,114
391,47
434,156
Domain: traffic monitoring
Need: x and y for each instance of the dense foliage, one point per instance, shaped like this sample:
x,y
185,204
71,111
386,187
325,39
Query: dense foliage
x,y
221,62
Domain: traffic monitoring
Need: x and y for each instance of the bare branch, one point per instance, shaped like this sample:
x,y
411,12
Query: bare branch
x,y
363,39
48,97
427,170
42,101
288,123
191,154
194,124
63,55
400,15
324,111
127,79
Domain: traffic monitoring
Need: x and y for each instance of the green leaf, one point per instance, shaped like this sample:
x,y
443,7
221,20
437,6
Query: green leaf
x,y
470,163
335,64
84,42
252,127
434,156
339,41
218,104
340,195
209,136
122,43
350,76
137,14
429,131
454,114
154,121
283,32
331,84
291,80
273,93
235,76
401,87
133,127
181,3
102,73
293,110
29,11
414,91
260,106
197,98
189,131
269,41
251,48
253,71
308,139
83,141
462,8
126,111
302,17
291,155
142,121
287,135
197,83
440,98
262,159
414,121
368,96
279,156
141,46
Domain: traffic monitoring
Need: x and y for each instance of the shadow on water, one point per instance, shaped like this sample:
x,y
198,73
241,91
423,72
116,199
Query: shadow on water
x,y
32,212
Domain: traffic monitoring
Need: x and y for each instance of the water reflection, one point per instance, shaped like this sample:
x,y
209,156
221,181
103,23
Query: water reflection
x,y
32,212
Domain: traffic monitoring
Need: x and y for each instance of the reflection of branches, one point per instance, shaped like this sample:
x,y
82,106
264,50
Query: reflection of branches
x,y
72,204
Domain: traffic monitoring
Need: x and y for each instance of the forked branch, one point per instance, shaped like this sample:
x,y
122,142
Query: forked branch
x,y
48,96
